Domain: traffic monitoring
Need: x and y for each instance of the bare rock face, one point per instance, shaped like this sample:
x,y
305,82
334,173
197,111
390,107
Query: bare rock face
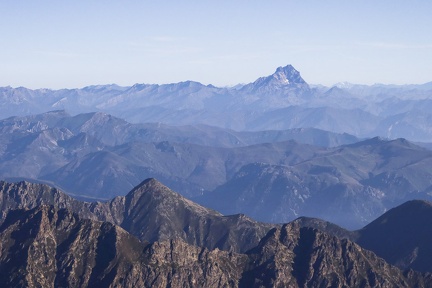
x,y
30,195
295,256
48,239
48,247
51,247
177,264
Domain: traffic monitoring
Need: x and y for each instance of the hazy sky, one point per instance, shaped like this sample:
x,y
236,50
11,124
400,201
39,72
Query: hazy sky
x,y
72,44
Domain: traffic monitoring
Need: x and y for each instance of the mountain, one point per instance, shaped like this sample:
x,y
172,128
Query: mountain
x,y
334,184
96,156
294,256
364,111
25,195
46,247
52,145
111,131
50,247
70,155
402,236
284,81
154,212
283,76
196,169
151,212
326,227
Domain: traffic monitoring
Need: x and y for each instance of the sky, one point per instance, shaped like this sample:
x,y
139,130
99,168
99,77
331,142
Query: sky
x,y
73,44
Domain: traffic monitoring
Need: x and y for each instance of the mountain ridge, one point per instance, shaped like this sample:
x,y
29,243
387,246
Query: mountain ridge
x,y
382,110
109,256
151,212
303,253
68,152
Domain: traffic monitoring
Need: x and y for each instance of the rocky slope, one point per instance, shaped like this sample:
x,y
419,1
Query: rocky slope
x,y
151,212
293,256
50,247
401,236
26,195
47,247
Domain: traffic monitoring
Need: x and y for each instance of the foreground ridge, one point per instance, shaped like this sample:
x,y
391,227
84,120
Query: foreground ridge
x,y
51,247
151,212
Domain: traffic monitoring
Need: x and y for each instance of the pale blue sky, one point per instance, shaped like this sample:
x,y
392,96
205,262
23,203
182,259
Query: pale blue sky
x,y
72,44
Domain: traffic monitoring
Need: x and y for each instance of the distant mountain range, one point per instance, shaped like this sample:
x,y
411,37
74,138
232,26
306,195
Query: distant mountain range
x,y
50,240
98,156
279,101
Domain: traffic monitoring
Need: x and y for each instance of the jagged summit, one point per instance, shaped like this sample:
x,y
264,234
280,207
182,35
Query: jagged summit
x,y
283,76
152,193
286,77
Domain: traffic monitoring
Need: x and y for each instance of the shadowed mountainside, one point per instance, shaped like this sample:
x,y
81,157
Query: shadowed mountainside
x,y
402,236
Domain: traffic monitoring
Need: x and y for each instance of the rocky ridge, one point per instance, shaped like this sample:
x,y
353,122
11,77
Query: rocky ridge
x,y
51,247
151,212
